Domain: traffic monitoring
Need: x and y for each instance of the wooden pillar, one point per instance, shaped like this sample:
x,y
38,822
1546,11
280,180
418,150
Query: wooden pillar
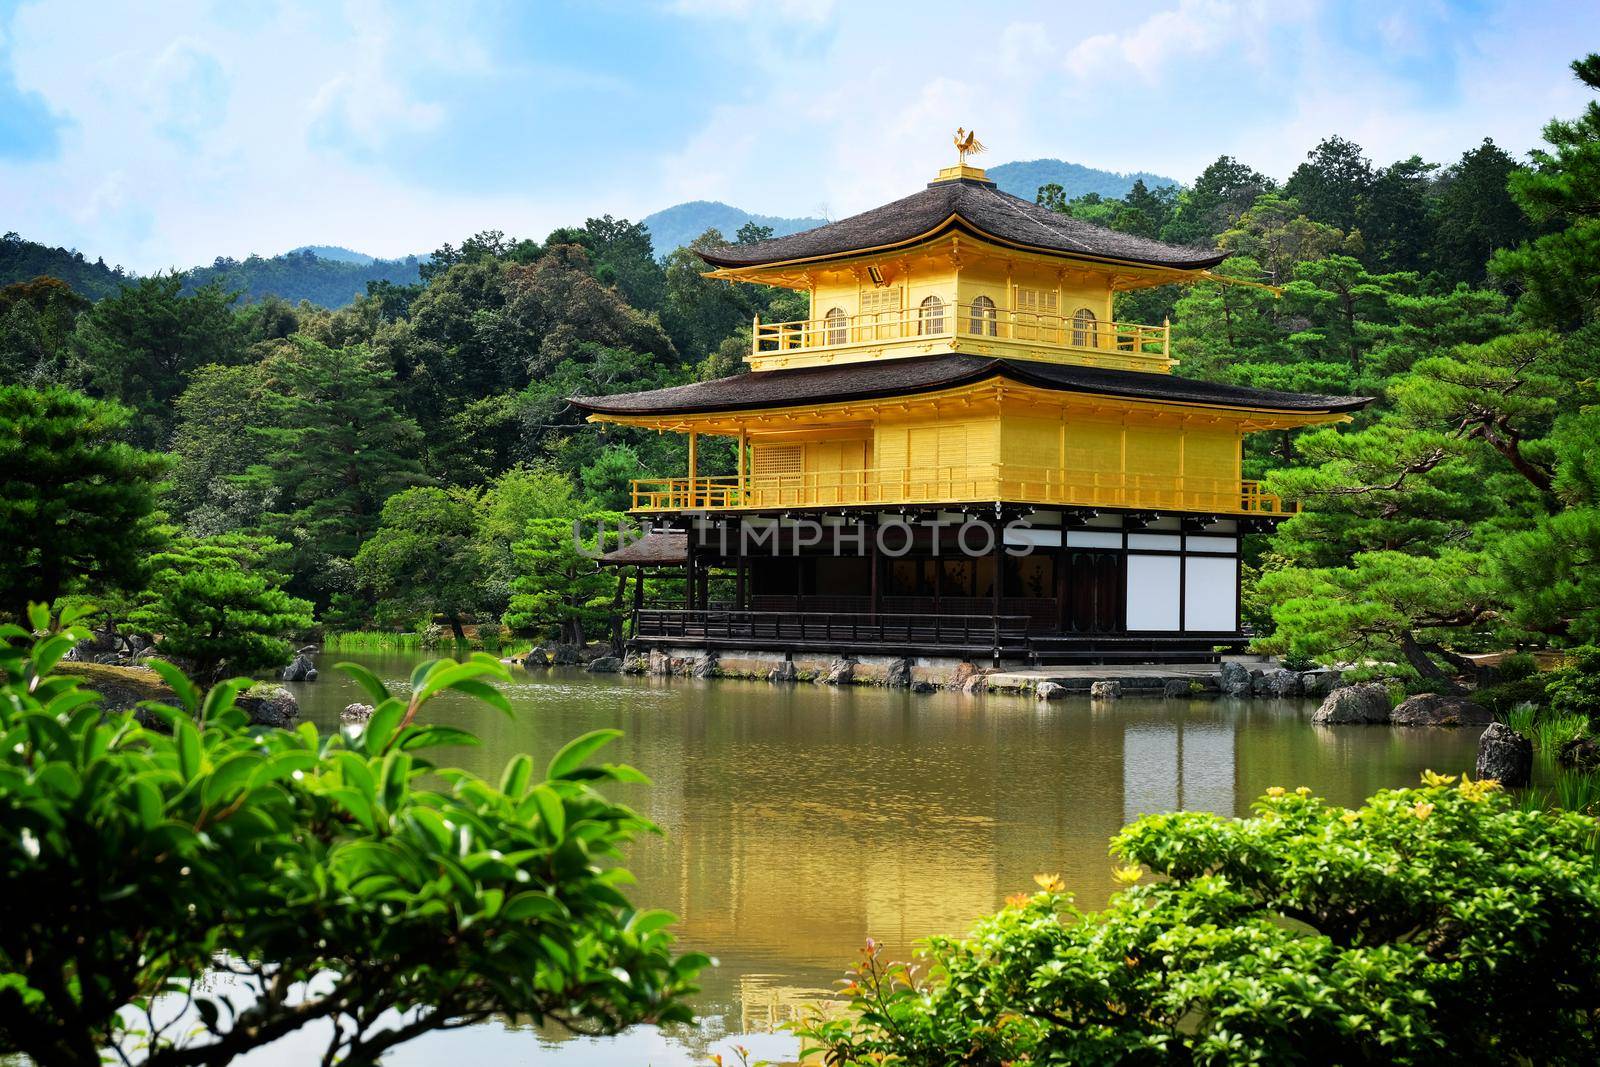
x,y
739,589
743,496
875,566
689,580
638,588
694,495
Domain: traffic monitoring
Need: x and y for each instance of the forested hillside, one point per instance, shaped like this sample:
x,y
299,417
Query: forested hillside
x,y
329,280
1024,177
22,261
303,275
672,228
411,455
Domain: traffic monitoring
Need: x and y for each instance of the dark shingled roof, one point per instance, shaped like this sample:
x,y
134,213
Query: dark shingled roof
x,y
658,548
977,207
923,374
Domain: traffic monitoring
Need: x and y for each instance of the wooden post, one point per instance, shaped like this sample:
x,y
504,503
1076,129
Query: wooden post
x,y
739,597
874,565
743,496
999,577
693,449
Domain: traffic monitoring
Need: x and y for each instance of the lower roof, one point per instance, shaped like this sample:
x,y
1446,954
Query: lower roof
x,y
902,377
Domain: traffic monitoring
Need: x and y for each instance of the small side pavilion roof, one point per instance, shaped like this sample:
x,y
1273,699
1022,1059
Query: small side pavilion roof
x,y
905,377
971,205
658,548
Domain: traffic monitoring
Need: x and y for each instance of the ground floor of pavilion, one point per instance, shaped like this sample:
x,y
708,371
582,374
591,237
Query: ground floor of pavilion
x,y
1011,583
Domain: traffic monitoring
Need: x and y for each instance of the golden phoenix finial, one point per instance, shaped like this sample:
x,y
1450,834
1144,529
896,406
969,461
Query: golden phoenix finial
x,y
967,143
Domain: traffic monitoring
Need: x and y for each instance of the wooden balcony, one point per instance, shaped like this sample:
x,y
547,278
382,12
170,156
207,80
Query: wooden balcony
x,y
976,327
1013,483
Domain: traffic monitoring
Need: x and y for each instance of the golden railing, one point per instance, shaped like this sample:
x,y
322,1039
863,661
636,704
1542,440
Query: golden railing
x,y
965,320
888,486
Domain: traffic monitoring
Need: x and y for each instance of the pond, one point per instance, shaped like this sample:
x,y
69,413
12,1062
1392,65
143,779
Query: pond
x,y
801,820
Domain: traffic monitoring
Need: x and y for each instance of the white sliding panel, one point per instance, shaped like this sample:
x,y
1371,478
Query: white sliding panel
x,y
1211,592
1152,592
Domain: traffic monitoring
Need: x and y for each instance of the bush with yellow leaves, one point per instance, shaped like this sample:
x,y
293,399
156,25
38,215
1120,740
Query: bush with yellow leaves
x,y
1439,919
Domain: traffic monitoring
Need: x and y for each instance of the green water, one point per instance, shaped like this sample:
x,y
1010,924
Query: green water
x,y
801,820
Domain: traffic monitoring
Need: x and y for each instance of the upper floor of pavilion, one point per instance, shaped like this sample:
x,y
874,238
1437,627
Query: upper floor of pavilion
x,y
961,267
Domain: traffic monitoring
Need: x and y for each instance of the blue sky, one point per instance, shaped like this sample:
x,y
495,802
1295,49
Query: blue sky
x,y
163,135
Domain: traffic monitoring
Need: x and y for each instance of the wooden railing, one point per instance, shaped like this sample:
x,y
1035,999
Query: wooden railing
x,y
965,320
958,484
844,629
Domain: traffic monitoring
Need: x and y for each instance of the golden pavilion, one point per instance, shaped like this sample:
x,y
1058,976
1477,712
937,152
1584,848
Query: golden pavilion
x,y
959,365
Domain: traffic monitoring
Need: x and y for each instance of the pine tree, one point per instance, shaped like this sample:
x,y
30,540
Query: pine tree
x,y
77,504
338,448
560,590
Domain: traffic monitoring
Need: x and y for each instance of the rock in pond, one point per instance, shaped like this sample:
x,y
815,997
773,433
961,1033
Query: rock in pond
x,y
705,666
1431,709
537,656
1050,691
1321,682
1366,702
784,672
1178,688
1276,683
1505,755
1235,680
1579,754
604,665
839,672
355,714
1105,689
566,656
269,705
898,676
300,669
635,663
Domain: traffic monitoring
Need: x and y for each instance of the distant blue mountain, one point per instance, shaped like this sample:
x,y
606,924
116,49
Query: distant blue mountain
x,y
1023,178
676,226
337,254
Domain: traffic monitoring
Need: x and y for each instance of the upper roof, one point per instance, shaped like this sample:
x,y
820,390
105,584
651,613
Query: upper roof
x,y
900,377
976,207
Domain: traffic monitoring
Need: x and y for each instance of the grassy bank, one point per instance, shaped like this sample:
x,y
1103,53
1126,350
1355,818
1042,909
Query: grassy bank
x,y
412,641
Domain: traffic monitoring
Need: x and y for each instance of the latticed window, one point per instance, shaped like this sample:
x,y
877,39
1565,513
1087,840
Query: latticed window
x,y
983,317
1083,331
930,316
880,313
834,331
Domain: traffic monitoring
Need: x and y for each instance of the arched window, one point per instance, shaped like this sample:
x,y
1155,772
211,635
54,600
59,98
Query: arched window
x,y
1083,331
983,317
834,331
930,316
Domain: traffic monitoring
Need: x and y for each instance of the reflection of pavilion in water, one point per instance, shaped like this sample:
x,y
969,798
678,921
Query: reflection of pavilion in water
x,y
767,1004
1177,766
798,829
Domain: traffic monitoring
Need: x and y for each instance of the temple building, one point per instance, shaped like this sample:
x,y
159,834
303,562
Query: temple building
x,y
960,368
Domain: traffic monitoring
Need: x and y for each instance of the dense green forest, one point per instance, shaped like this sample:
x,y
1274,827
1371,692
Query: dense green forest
x,y
410,456
330,281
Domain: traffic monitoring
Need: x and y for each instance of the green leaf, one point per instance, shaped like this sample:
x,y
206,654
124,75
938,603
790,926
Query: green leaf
x,y
186,740
573,754
367,680
532,906
433,736
551,811
486,693
379,729
650,920
179,683
514,779
221,697
229,777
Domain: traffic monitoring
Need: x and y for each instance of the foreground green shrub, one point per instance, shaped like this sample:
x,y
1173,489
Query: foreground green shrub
x,y
137,860
1432,921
